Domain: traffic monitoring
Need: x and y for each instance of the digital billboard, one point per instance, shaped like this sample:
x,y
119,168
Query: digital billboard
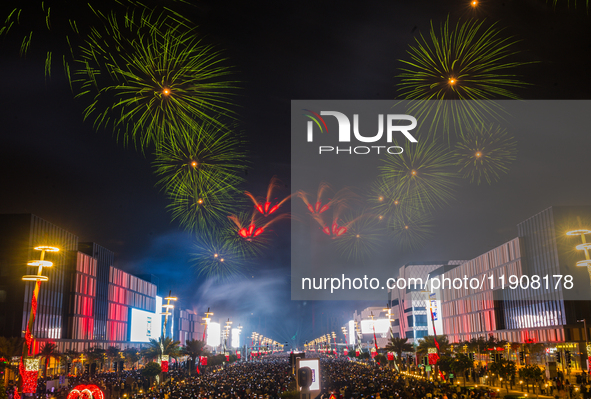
x,y
381,325
145,325
213,334
314,365
235,338
352,333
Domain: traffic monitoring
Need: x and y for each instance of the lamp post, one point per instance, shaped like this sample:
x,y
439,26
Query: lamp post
x,y
167,306
27,367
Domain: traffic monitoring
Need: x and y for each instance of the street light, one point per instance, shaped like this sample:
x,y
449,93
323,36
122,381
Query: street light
x,y
29,368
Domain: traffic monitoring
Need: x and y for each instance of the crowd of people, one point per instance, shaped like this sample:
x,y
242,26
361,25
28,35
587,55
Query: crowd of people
x,y
272,378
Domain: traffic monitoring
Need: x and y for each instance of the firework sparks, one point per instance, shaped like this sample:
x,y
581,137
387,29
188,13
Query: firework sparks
x,y
269,205
200,204
148,75
365,233
205,153
467,61
66,23
250,234
484,153
424,174
216,257
410,232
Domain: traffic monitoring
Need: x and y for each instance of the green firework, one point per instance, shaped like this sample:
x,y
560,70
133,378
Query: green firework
x,y
410,232
485,153
147,75
200,152
465,62
204,202
48,26
365,233
387,197
424,173
216,257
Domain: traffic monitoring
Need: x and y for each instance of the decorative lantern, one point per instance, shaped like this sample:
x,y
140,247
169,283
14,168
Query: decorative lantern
x,y
30,372
203,360
390,356
164,363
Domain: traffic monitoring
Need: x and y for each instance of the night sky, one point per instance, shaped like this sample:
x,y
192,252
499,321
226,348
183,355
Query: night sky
x,y
56,166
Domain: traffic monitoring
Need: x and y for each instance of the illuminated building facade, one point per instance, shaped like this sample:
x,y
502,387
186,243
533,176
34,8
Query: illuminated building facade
x,y
409,303
19,234
366,325
188,325
551,316
86,300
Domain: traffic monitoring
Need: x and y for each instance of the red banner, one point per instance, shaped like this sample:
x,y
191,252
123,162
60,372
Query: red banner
x,y
357,353
346,352
164,365
390,356
204,360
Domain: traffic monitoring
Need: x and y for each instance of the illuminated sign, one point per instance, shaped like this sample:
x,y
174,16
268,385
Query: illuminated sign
x,y
213,334
235,338
352,334
434,317
381,326
146,325
314,365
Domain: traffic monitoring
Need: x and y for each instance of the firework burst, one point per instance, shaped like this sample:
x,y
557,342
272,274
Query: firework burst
x,y
410,232
200,204
365,233
200,152
386,198
484,153
424,174
249,233
269,205
467,61
216,257
148,75
50,25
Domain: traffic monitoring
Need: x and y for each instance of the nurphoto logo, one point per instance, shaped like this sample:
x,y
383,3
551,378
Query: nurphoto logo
x,y
392,122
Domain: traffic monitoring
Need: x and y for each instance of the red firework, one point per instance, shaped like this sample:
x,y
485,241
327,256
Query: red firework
x,y
254,228
318,207
266,207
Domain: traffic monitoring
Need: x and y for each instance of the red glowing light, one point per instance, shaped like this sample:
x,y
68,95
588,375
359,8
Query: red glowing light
x,y
86,392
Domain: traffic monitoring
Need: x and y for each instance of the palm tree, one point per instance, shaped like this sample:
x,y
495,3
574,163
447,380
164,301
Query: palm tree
x,y
399,345
48,351
162,346
9,348
193,348
428,342
131,357
112,353
94,355
71,355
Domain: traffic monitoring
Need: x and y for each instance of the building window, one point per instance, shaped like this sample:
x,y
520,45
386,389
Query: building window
x,y
410,335
410,322
421,333
421,320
